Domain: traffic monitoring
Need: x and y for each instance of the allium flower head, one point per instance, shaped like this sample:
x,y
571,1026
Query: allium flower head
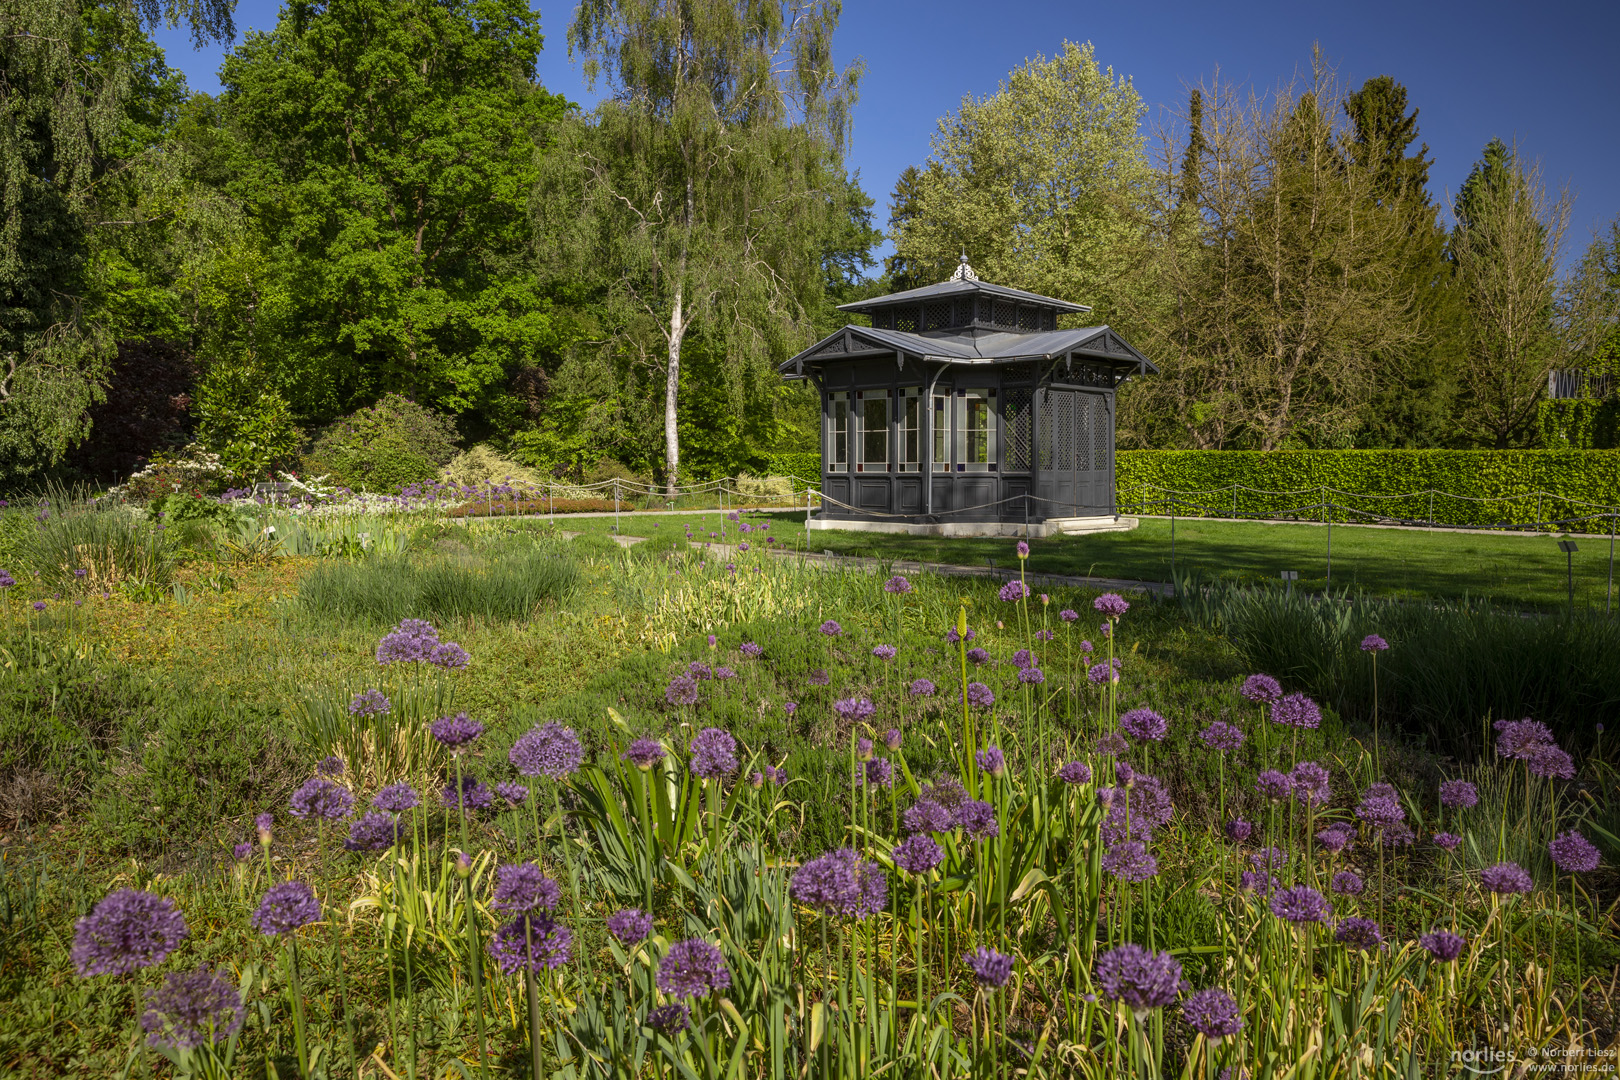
x,y
263,825
1300,904
952,638
1347,883
1372,643
885,652
863,749
372,832
1023,658
1258,882
1336,837
1239,830
980,696
977,819
1144,980
1459,794
927,816
285,908
1550,761
1443,945
242,851
1518,738
1150,809
1023,550
630,925
1268,858
472,795
533,943
714,754
682,690
412,641
192,1009
669,1020
644,753
1310,783
1222,736
1112,605
1107,671
1261,689
1014,590
448,655
917,854
992,761
1075,772
892,739
127,930
854,709
699,671
514,794
1362,934
1273,784
831,628
922,688
369,703
1144,724
878,772
455,732
1573,853
693,969
1130,860
897,586
320,798
1213,1014
977,656
1112,744
840,883
1296,711
1380,810
521,887
1448,841
549,750
1069,615
990,968
1124,774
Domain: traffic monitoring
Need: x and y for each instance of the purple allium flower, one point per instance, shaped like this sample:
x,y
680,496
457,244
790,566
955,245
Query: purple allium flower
x,y
681,690
1380,809
125,931
1144,724
243,850
630,925
831,628
723,673
1310,783
1273,784
1044,635
1261,689
977,819
947,791
455,732
1336,837
262,825
1550,761
699,671
1446,840
1069,615
1107,671
39,605
790,707
751,650
1150,808
854,709
1459,794
1300,904
693,969
6,580
1130,860
714,754
922,688
1112,605
885,652
1573,853
1142,979
897,586
1347,883
992,761
644,753
1013,591
192,1009
369,703
1262,883
1443,945
412,641
372,832
1372,643
514,794
1222,736
669,1020
1268,858
1296,711
1075,772
534,943
1023,658
1023,553
524,887
917,854
1518,738
878,772
775,775
980,696
320,798
1112,744
472,795
990,968
1362,934
840,883
329,766
819,677
977,656
1124,775
448,655
285,908
1239,830
547,750
927,816
892,739
1213,1014
951,637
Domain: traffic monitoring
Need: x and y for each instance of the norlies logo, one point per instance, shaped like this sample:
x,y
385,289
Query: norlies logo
x,y
1484,1062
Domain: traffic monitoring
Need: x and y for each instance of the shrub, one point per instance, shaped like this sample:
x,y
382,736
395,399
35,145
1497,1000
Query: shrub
x,y
800,467
608,469
482,465
384,446
111,543
192,470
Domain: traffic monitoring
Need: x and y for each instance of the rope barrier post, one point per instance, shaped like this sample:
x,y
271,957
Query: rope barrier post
x,y
1234,498
551,500
1431,510
1327,510
615,506
1608,595
1172,542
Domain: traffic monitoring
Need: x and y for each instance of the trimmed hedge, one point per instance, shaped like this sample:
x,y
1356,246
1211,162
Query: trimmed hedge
x,y
802,466
1579,423
1521,486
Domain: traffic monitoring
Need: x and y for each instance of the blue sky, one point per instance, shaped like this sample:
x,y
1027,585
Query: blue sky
x,y
1542,74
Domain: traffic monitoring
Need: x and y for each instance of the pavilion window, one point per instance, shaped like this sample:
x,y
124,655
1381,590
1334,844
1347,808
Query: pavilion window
x,y
838,432
910,425
976,430
874,423
942,431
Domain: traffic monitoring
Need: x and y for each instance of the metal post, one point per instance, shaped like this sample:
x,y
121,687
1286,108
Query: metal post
x,y
1234,498
1431,509
1172,544
1609,593
1328,511
615,506
1569,562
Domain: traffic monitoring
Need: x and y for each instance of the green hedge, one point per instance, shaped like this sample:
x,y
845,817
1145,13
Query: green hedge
x,y
801,465
1521,485
1579,423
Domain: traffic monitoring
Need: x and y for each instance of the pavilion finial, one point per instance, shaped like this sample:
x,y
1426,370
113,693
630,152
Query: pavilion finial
x,y
964,272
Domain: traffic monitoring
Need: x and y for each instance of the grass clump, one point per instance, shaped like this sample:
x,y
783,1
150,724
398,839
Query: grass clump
x,y
505,585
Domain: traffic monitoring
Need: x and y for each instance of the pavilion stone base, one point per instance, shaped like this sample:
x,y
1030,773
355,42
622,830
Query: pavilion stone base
x,y
1074,526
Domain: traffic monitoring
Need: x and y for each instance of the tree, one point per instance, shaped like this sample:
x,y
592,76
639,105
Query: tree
x,y
1506,247
708,178
1041,183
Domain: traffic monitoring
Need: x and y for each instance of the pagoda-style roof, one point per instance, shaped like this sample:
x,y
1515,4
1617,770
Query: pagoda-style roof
x,y
962,286
1093,342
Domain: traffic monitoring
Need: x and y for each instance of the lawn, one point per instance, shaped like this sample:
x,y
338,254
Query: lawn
x,y
1524,570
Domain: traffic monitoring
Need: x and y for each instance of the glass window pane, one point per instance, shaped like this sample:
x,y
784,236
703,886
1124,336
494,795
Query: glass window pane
x,y
875,434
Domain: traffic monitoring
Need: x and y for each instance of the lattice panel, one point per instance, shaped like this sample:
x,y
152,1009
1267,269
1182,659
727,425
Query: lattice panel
x,y
964,313
1017,373
1006,314
937,315
1029,319
1045,436
1099,435
1018,428
905,319
1084,417
987,310
1048,320
1066,420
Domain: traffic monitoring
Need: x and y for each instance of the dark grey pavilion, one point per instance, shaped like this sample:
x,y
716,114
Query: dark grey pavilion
x,y
963,410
